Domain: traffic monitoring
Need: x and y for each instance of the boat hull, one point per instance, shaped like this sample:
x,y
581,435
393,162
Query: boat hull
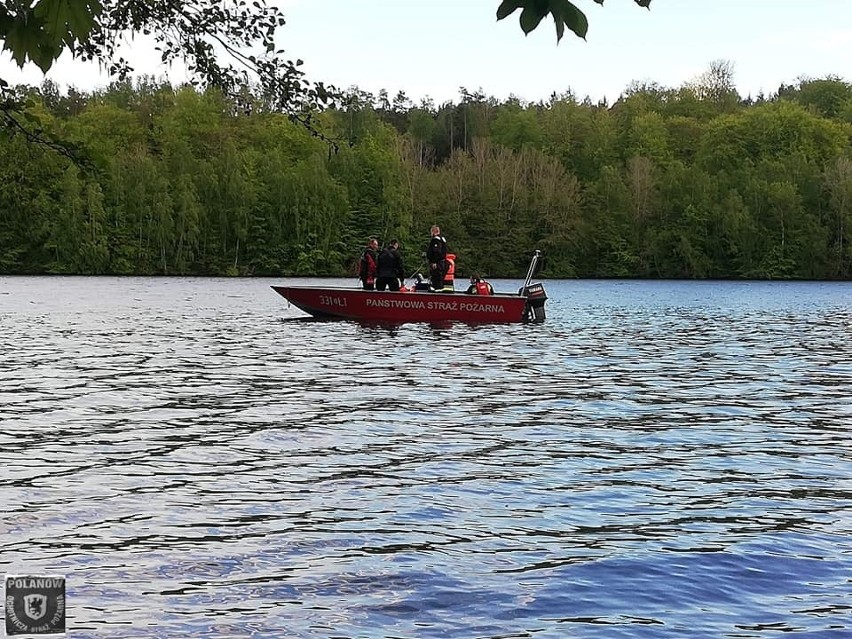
x,y
414,306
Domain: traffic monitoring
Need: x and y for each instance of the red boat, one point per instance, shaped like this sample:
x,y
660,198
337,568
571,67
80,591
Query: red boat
x,y
527,305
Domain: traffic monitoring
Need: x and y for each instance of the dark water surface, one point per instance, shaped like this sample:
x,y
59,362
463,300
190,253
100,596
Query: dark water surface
x,y
659,459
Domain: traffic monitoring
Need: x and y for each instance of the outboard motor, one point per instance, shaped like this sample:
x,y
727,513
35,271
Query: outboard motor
x,y
535,294
536,297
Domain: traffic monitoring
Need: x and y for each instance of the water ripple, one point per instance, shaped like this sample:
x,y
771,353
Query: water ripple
x,y
659,459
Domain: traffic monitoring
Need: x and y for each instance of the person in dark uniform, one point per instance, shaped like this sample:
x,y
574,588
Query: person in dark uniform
x,y
390,273
368,265
436,255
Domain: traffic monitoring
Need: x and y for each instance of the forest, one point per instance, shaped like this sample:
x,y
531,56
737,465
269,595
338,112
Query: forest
x,y
688,182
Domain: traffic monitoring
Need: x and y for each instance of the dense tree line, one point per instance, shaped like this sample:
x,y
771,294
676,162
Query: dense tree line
x,y
691,182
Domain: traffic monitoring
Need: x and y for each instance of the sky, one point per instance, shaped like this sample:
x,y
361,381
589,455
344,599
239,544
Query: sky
x,y
432,48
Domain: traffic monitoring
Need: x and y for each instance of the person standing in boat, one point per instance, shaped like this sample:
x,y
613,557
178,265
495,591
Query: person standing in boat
x,y
390,273
479,286
368,266
436,255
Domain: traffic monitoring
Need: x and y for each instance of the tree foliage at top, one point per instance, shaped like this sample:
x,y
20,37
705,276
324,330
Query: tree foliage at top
x,y
195,31
228,45
40,31
225,44
565,14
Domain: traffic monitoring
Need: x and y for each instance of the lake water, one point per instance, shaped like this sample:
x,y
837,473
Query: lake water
x,y
657,460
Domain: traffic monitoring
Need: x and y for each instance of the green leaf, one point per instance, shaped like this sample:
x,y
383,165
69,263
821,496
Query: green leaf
x,y
530,19
5,22
53,15
45,55
25,40
568,14
82,18
560,28
508,7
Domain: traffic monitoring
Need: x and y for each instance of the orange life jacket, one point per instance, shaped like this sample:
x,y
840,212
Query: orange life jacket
x,y
449,276
483,288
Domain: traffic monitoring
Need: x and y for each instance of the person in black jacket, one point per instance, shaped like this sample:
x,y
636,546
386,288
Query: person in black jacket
x,y
436,255
390,273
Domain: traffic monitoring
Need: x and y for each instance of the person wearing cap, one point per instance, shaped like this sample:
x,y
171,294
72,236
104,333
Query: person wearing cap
x,y
368,265
479,286
390,273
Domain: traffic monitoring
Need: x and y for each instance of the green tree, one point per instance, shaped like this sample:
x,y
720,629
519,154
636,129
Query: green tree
x,y
829,97
838,182
516,128
716,86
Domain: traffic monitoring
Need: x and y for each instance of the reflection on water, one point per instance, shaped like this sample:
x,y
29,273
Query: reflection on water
x,y
657,460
